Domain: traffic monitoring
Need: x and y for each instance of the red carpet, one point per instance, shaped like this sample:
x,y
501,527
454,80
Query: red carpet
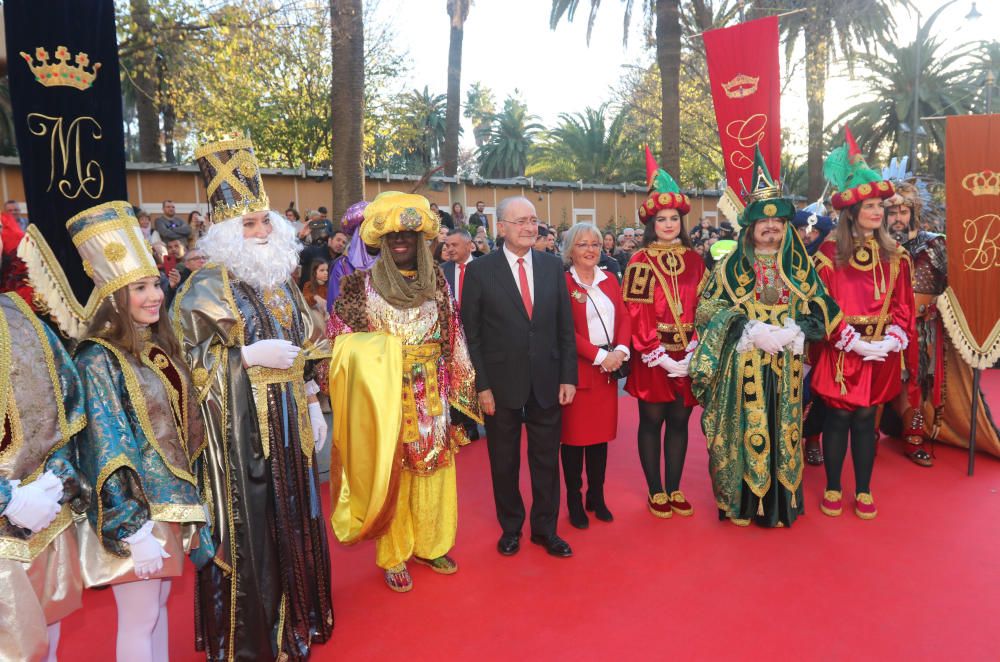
x,y
921,582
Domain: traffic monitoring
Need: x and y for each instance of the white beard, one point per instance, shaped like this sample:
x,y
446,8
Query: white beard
x,y
262,265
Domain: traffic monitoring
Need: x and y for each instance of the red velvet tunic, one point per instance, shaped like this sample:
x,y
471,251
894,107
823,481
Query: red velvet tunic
x,y
682,272
592,418
842,378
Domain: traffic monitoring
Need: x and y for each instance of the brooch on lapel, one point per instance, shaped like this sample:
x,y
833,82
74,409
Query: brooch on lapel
x,y
579,296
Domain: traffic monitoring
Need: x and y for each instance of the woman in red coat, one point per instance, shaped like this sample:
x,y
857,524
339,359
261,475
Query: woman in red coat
x,y
868,275
661,287
602,336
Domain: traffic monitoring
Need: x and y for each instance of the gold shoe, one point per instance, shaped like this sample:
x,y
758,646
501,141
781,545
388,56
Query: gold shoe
x,y
680,505
739,522
864,506
659,505
832,503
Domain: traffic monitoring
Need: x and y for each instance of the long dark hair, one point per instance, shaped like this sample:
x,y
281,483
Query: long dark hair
x,y
846,238
113,323
313,268
649,233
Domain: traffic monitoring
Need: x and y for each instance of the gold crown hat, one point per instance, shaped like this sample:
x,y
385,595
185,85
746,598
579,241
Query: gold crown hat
x,y
114,251
232,179
393,211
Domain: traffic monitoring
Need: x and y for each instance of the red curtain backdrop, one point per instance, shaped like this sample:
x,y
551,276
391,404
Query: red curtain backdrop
x,y
746,90
971,304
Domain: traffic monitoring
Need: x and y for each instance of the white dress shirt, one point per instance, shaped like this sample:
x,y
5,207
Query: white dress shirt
x,y
515,270
600,308
458,277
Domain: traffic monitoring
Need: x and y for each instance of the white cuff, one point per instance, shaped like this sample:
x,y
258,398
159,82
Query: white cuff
x,y
601,355
312,388
849,337
144,531
654,356
693,345
624,350
896,332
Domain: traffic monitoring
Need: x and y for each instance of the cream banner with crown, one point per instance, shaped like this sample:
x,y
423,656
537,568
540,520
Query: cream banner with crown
x,y
970,307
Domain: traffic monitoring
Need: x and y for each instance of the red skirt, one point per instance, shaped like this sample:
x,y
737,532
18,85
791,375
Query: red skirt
x,y
866,383
592,417
654,385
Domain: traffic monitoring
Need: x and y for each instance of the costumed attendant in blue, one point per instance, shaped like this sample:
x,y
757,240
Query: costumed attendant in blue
x,y
39,565
144,438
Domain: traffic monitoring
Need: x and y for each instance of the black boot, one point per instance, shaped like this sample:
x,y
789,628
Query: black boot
x,y
597,464
572,461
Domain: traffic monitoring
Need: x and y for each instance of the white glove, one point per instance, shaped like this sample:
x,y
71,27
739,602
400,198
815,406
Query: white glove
x,y
33,506
888,344
271,353
870,351
147,552
677,369
318,425
767,338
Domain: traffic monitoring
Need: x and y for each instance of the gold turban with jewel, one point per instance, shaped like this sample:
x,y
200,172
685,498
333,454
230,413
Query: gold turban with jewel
x,y
393,211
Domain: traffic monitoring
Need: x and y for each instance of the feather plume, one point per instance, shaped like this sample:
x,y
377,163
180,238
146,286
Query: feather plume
x,y
837,168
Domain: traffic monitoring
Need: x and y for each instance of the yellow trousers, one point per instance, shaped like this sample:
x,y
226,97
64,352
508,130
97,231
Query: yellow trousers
x,y
426,518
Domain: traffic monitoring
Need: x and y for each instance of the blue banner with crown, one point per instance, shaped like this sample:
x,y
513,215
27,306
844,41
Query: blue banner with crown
x,y
67,102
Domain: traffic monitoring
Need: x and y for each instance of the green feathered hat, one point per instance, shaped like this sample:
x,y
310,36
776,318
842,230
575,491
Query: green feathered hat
x,y
663,192
765,200
854,181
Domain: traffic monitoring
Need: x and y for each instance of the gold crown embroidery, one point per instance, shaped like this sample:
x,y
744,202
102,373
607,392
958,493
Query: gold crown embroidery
x,y
741,86
986,182
62,71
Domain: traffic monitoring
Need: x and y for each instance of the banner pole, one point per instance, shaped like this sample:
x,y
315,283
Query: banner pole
x,y
976,372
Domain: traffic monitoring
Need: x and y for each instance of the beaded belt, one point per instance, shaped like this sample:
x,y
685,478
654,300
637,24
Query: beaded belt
x,y
866,326
419,360
672,336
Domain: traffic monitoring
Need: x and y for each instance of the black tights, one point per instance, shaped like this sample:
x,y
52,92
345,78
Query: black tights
x,y
860,423
652,416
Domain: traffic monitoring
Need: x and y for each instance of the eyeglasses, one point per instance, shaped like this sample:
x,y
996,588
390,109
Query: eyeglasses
x,y
521,222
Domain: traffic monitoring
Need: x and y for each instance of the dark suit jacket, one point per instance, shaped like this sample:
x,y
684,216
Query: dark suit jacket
x,y
513,355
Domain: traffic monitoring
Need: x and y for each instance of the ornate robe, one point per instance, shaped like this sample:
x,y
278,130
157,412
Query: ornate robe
x,y
41,408
660,288
266,592
139,452
753,401
436,374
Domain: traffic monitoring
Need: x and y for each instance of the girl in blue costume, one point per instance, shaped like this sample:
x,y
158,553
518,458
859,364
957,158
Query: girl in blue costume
x,y
140,449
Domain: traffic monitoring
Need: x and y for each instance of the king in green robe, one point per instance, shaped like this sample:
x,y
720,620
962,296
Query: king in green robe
x,y
760,306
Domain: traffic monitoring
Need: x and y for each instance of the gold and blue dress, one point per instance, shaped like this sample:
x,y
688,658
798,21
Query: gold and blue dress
x,y
139,452
41,408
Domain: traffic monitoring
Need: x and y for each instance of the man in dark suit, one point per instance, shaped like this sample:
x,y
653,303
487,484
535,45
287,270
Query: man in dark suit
x,y
459,246
517,319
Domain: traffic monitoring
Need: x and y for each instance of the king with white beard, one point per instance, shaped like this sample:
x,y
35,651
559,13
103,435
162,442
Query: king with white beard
x,y
251,343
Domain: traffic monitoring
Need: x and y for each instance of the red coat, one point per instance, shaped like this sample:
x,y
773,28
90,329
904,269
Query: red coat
x,y
592,418
843,379
653,323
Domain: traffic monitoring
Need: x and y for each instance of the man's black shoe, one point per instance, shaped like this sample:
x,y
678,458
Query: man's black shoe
x,y
509,543
554,545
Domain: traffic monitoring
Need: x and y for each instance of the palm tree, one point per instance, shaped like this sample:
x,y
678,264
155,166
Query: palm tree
x,y
586,146
424,114
944,90
458,11
668,58
347,104
985,72
511,136
480,108
828,26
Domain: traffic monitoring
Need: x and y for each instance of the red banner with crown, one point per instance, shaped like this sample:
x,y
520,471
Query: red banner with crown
x,y
970,307
746,90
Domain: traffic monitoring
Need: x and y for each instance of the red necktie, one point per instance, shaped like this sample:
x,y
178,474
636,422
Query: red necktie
x,y
522,275
461,283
